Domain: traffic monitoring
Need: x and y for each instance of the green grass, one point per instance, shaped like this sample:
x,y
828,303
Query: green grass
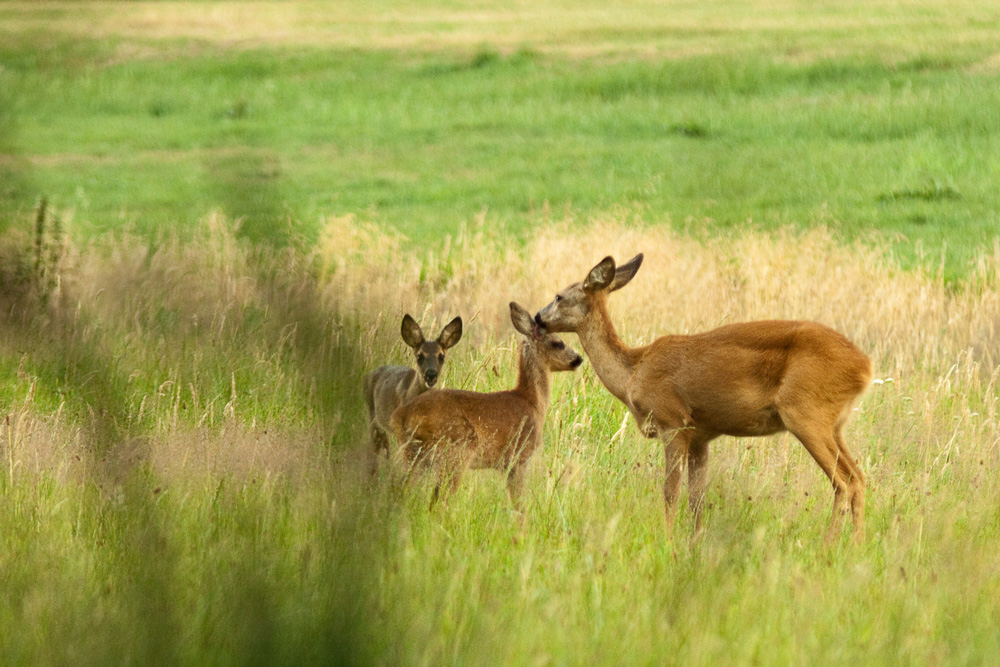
x,y
183,465
182,442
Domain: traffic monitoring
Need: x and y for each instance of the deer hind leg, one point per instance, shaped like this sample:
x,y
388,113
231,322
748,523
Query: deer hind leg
x,y
414,456
449,476
450,463
855,483
819,440
451,456
378,437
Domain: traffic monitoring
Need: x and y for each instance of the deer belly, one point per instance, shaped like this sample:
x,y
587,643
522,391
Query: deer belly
x,y
501,445
740,420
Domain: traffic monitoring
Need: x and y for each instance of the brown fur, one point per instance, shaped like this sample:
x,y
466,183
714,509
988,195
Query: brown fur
x,y
453,430
745,379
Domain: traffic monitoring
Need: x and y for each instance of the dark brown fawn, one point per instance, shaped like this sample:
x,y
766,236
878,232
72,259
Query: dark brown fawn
x,y
453,430
744,379
387,387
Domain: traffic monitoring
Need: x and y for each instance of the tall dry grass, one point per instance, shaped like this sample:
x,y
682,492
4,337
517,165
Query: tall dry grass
x,y
180,331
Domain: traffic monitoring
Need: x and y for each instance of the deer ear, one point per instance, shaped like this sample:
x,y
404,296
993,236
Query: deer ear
x,y
522,320
411,333
625,273
600,276
451,334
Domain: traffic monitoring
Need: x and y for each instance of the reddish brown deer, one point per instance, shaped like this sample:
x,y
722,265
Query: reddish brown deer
x,y
387,387
453,430
745,379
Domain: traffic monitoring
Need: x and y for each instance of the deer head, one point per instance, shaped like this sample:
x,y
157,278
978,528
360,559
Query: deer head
x,y
569,310
552,352
430,354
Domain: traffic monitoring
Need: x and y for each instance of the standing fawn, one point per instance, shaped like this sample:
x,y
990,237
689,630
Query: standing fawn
x,y
387,387
453,430
745,379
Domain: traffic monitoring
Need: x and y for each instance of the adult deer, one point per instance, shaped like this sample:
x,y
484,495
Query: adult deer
x,y
745,379
454,430
387,387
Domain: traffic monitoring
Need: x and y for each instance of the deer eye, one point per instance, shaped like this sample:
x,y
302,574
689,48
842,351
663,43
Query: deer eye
x,y
420,358
557,345
440,357
558,298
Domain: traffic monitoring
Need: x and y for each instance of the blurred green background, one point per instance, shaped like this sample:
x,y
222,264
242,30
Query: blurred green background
x,y
425,116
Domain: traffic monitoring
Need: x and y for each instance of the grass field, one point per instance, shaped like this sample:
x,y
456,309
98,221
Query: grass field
x,y
243,200
863,115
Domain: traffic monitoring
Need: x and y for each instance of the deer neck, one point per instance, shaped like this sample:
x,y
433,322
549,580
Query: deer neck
x,y
613,361
414,386
533,378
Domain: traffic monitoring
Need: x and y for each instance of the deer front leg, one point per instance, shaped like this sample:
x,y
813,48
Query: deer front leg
x,y
697,478
675,446
671,421
380,445
515,483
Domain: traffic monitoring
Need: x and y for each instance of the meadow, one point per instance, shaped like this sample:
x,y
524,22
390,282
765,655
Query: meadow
x,y
242,200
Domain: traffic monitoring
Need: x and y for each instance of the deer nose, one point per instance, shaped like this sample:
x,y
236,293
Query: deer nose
x,y
430,377
576,362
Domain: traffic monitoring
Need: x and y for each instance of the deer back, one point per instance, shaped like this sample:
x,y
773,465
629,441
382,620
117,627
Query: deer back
x,y
491,429
738,378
